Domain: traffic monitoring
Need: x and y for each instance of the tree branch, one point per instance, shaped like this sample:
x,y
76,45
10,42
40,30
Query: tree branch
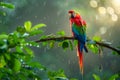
x,y
72,38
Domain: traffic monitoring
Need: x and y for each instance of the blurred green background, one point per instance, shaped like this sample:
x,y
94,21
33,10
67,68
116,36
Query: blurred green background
x,y
102,17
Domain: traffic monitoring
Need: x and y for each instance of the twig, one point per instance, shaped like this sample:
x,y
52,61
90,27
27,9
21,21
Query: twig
x,y
71,38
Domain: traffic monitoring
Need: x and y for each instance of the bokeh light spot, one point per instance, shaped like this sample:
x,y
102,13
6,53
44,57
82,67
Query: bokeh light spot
x,y
110,10
118,10
102,10
103,30
114,17
93,3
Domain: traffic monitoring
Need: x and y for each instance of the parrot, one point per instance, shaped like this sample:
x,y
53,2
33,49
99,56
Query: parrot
x,y
78,28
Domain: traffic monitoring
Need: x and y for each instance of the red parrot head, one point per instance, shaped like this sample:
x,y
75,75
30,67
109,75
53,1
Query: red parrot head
x,y
71,11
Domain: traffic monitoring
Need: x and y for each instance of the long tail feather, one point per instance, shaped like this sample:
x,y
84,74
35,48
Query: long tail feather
x,y
80,57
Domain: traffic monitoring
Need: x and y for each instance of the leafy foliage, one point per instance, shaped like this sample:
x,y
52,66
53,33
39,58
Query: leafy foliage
x,y
96,77
113,77
5,5
16,54
57,75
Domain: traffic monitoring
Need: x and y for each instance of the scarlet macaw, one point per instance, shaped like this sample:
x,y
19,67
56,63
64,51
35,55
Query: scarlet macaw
x,y
78,26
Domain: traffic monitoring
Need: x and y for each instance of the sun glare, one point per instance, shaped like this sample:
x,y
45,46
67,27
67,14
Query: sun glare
x,y
116,3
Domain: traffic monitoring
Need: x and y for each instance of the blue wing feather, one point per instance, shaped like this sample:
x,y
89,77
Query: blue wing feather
x,y
81,37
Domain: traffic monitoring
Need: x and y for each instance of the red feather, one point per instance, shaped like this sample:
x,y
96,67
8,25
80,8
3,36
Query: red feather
x,y
80,57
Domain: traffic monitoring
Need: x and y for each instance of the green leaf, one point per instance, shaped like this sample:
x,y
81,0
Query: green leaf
x,y
114,77
3,36
115,53
21,30
62,33
36,65
75,42
97,38
7,56
28,26
7,5
71,45
36,27
2,13
43,37
16,65
52,44
93,48
73,79
44,43
96,77
65,45
36,32
19,49
29,51
2,61
57,75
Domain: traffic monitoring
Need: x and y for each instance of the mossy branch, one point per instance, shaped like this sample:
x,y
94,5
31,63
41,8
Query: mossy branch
x,y
72,38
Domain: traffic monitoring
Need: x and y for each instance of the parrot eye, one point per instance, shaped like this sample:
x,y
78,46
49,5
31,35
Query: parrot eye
x,y
72,15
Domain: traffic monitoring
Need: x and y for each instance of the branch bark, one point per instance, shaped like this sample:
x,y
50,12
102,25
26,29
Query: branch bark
x,y
72,38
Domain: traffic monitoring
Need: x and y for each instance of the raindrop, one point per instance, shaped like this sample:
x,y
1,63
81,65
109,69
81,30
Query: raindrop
x,y
38,46
21,60
30,44
27,44
21,47
25,34
5,40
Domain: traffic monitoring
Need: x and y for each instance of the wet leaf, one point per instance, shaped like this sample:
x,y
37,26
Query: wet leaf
x,y
73,79
28,25
36,32
2,61
115,53
54,75
36,27
62,33
7,56
96,77
93,48
2,13
71,45
65,45
29,51
16,65
52,44
97,38
75,42
7,5
3,36
19,49
21,30
114,77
